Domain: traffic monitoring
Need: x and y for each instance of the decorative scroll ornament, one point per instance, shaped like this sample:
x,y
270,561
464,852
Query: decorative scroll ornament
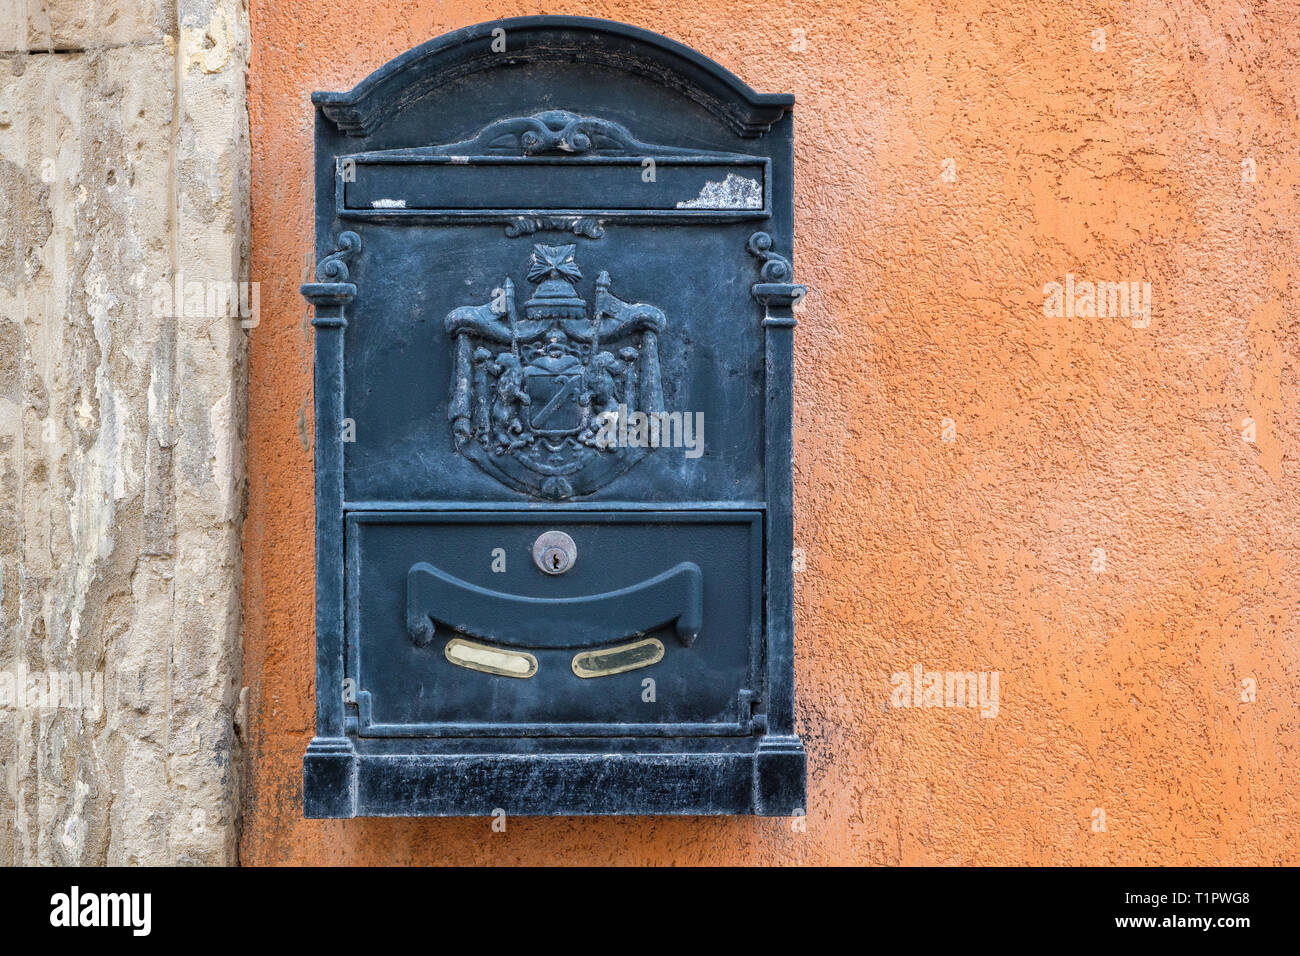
x,y
776,288
333,288
555,133
587,226
334,267
533,393
776,267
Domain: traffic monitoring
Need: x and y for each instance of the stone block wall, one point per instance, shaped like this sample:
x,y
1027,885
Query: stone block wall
x,y
123,166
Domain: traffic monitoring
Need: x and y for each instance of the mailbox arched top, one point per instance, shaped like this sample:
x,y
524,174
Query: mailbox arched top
x,y
618,46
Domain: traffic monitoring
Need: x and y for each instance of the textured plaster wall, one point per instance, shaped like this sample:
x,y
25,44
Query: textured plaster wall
x,y
1171,156
123,162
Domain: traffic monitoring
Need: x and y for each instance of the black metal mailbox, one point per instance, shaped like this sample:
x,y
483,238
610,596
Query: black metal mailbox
x,y
554,312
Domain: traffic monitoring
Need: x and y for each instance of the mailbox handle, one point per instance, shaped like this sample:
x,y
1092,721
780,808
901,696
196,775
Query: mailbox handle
x,y
434,597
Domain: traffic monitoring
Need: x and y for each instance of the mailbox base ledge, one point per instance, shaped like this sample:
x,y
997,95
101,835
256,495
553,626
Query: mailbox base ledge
x,y
329,779
766,781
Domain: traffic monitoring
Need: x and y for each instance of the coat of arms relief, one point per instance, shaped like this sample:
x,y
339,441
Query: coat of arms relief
x,y
532,386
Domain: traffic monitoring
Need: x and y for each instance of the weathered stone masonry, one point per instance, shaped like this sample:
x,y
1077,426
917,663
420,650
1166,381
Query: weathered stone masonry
x,y
123,162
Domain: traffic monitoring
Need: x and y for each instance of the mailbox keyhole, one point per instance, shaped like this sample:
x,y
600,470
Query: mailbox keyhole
x,y
554,552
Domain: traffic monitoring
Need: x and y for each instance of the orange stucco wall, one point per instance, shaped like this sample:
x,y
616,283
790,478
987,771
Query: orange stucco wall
x,y
1121,679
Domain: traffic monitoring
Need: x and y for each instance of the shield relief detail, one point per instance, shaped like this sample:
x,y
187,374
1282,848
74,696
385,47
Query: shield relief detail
x,y
531,391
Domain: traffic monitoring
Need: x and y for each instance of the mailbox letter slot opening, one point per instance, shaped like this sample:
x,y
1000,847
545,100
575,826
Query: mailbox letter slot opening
x,y
628,610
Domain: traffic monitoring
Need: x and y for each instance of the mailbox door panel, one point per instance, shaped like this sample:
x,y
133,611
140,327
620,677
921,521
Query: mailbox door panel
x,y
454,630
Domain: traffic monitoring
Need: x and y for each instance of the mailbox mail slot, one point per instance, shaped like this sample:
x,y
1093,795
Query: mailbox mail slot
x,y
553,317
683,581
